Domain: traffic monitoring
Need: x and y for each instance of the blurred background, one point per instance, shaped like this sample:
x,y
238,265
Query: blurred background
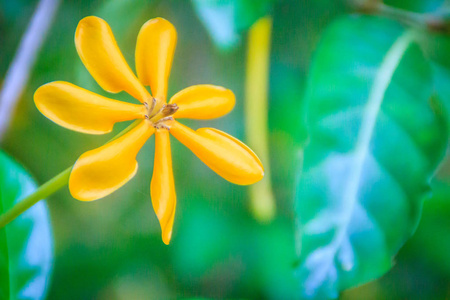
x,y
112,248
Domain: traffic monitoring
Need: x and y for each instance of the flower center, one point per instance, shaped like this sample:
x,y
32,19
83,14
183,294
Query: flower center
x,y
158,117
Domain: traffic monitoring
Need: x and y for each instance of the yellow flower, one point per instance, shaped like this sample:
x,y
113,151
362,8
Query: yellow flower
x,y
99,172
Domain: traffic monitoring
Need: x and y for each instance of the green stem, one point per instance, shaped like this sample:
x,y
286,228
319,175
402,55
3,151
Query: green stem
x,y
48,188
406,17
128,128
262,202
42,192
435,22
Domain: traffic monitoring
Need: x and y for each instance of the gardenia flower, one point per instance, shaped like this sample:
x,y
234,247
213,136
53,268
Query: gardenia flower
x,y
99,172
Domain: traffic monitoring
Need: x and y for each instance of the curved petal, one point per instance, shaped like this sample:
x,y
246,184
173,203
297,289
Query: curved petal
x,y
224,154
100,54
154,54
81,110
162,188
99,172
203,102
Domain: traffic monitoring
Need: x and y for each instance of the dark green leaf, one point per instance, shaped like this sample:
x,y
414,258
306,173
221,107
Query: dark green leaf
x,y
26,243
437,47
425,253
436,246
226,20
376,137
442,87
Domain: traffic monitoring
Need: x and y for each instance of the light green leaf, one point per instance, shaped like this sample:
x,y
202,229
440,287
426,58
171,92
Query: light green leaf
x,y
225,20
376,137
26,247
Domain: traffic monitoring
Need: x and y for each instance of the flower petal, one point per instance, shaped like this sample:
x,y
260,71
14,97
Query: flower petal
x,y
154,54
99,172
81,110
203,102
162,188
100,54
224,154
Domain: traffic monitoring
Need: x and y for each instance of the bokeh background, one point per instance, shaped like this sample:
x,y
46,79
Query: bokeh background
x,y
112,248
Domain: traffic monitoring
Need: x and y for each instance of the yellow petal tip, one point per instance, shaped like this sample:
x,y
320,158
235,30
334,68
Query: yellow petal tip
x,y
166,236
154,54
89,19
100,54
203,101
99,172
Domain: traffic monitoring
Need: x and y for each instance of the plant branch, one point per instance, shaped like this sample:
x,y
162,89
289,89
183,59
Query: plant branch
x,y
436,22
48,188
42,192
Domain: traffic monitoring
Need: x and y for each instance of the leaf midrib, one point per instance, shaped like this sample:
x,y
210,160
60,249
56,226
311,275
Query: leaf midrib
x,y
381,83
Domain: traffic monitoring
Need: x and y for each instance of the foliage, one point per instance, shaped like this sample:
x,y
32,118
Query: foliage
x,y
227,20
26,247
111,249
356,204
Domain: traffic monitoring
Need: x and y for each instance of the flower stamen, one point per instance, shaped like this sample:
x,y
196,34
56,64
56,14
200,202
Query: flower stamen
x,y
153,105
160,123
165,111
169,109
150,108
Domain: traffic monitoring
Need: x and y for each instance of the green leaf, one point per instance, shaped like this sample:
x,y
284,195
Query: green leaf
x,y
225,20
437,46
376,137
26,249
442,88
432,238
